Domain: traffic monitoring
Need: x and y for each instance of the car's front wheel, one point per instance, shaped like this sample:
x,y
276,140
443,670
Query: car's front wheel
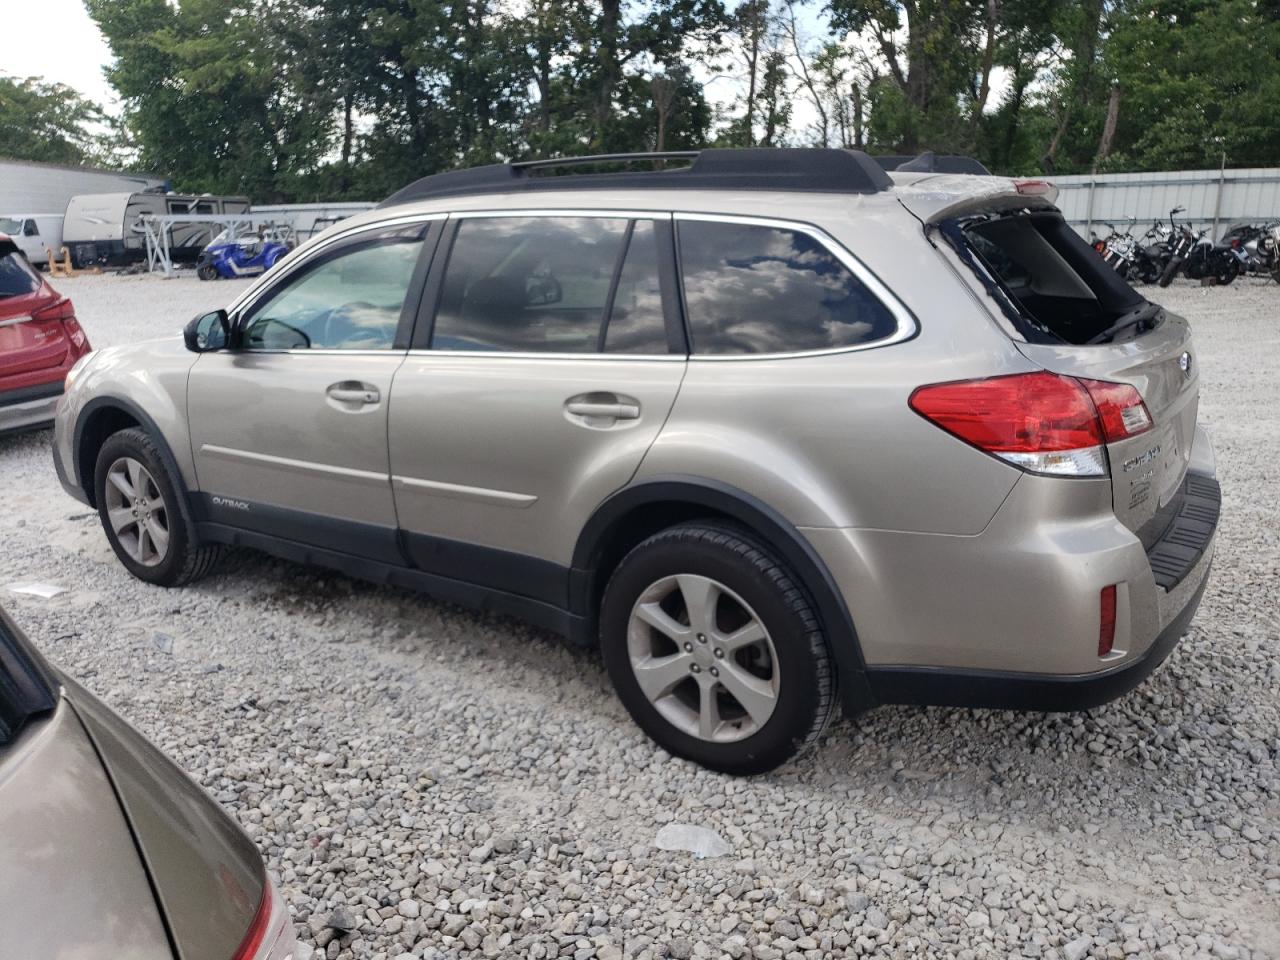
x,y
715,650
146,520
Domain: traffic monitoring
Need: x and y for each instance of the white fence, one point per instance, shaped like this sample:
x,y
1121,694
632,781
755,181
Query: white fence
x,y
1213,198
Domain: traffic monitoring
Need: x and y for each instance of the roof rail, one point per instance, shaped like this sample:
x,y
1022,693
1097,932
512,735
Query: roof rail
x,y
930,162
804,169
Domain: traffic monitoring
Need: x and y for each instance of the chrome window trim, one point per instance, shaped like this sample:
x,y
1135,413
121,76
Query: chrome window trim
x,y
267,281
598,213
510,355
907,326
325,351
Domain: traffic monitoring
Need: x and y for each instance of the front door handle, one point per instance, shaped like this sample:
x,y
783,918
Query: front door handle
x,y
616,410
357,393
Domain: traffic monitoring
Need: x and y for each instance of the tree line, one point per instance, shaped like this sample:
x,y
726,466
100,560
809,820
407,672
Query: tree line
x,y
332,99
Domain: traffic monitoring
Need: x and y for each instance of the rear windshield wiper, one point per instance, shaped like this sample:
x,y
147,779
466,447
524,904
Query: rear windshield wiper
x,y
1148,311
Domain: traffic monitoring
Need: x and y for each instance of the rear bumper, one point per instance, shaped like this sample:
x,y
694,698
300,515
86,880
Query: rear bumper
x,y
994,690
29,408
1010,617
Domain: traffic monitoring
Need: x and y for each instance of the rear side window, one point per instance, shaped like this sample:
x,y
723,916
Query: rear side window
x,y
752,289
1047,274
551,285
17,277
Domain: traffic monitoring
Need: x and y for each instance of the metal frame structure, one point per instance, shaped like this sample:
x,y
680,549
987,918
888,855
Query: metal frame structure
x,y
158,233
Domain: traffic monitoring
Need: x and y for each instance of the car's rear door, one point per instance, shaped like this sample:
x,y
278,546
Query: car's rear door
x,y
289,428
554,356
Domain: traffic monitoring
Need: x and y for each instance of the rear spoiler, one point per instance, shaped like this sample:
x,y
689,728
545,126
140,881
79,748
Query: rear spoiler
x,y
930,162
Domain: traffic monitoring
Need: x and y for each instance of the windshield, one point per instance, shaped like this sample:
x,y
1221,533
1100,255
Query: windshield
x,y
1051,283
17,277
10,226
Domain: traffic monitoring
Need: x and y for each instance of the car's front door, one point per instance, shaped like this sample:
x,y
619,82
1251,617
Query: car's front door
x,y
553,360
289,427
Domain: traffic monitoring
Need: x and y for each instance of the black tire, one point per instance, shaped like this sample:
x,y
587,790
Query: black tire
x,y
1228,269
806,677
185,559
1170,271
207,271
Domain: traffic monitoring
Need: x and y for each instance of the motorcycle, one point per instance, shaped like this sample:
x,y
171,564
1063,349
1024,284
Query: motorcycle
x,y
1256,247
228,256
1131,257
1196,257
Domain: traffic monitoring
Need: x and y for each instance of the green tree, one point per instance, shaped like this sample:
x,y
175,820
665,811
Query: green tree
x,y
51,123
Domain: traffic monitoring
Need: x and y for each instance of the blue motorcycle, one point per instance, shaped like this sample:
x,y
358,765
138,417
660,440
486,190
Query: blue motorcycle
x,y
229,257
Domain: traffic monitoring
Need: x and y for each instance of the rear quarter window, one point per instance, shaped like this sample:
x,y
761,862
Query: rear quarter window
x,y
755,289
17,277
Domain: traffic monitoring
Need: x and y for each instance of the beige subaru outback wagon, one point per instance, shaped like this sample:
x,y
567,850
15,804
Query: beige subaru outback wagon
x,y
778,430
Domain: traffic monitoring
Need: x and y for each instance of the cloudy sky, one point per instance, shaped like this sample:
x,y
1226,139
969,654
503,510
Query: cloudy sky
x,y
56,40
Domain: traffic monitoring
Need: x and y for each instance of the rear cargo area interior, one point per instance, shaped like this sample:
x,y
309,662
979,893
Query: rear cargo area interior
x,y
1054,277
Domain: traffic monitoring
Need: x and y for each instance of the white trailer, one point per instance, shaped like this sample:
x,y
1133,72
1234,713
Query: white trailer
x,y
107,228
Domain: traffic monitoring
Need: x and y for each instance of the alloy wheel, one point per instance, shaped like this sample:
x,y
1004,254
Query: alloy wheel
x,y
703,658
137,512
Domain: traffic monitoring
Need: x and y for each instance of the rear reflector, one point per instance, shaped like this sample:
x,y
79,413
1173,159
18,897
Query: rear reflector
x,y
1107,629
1041,422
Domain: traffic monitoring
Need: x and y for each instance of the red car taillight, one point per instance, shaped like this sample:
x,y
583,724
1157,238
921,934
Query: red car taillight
x,y
270,936
1041,422
63,310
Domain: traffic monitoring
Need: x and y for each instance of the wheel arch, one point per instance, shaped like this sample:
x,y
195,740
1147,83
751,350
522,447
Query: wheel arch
x,y
99,419
637,511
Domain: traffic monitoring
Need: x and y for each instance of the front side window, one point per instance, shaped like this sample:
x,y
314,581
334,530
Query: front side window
x,y
349,299
551,285
752,289
29,229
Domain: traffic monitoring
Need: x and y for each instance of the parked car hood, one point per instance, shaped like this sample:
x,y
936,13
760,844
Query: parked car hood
x,y
72,883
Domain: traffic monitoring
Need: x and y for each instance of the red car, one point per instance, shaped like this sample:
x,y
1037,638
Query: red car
x,y
40,340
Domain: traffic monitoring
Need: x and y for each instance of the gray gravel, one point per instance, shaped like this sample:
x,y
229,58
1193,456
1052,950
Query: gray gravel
x,y
426,781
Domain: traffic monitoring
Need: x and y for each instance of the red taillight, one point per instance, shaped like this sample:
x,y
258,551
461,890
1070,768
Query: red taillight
x,y
270,936
64,311
1120,408
1107,629
256,935
1042,422
1036,188
58,310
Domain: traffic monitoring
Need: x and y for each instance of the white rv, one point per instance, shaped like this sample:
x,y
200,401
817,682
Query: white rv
x,y
106,228
34,233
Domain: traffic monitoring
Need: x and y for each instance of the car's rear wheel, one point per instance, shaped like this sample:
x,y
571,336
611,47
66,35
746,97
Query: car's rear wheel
x,y
146,520
714,649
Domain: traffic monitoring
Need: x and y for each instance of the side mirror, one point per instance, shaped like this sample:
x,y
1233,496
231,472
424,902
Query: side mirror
x,y
208,332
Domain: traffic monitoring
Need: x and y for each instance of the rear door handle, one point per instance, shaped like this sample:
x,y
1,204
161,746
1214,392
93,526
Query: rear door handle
x,y
358,393
613,411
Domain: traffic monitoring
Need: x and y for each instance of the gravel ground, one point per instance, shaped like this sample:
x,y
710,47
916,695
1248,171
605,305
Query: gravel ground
x,y
431,782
